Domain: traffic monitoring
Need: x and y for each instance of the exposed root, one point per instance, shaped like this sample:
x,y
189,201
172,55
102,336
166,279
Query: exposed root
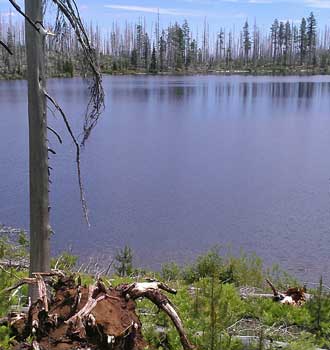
x,y
152,291
94,317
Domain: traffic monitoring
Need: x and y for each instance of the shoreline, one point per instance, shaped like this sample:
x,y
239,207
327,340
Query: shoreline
x,y
234,72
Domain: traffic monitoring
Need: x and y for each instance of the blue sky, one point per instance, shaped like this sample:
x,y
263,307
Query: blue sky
x,y
219,13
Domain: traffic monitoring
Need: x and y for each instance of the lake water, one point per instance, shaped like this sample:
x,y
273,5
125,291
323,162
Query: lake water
x,y
179,164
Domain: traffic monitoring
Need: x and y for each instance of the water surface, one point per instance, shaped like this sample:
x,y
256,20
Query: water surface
x,y
178,164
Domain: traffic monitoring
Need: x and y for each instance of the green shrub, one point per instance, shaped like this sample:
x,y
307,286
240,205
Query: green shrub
x,y
124,262
170,272
65,262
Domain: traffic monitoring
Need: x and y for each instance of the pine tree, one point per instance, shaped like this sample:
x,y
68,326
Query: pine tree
x,y
311,39
193,53
134,58
139,44
162,52
124,262
287,43
153,62
146,51
274,39
281,41
303,40
186,42
246,42
177,48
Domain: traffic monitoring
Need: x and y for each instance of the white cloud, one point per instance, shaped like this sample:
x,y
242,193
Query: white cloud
x,y
8,14
162,11
260,1
322,4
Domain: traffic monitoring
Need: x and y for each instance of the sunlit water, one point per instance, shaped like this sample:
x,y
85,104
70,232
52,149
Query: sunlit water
x,y
179,164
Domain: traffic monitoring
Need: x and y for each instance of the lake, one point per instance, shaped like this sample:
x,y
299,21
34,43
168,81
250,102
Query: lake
x,y
179,164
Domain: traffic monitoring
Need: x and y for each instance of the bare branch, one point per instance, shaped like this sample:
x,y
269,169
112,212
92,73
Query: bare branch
x,y
56,134
21,12
6,47
275,292
20,283
95,107
67,124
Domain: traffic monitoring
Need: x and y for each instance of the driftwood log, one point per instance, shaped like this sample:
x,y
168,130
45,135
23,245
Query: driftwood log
x,y
293,296
73,316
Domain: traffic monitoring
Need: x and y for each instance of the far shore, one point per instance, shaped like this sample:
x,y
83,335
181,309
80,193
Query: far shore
x,y
223,72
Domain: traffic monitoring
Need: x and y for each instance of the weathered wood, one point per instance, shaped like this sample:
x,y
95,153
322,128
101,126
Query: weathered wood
x,y
152,291
38,154
293,296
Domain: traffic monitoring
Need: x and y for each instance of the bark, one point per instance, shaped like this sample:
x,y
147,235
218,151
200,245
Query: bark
x,y
94,317
38,154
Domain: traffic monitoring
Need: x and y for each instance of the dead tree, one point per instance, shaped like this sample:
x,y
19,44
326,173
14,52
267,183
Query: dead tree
x,y
38,150
39,173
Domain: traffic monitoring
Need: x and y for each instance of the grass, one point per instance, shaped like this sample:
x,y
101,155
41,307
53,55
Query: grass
x,y
208,301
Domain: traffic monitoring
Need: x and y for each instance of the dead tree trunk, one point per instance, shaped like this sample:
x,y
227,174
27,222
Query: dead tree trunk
x,y
38,153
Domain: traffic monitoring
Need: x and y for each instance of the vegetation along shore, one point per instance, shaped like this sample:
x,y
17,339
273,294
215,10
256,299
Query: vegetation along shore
x,y
225,302
287,48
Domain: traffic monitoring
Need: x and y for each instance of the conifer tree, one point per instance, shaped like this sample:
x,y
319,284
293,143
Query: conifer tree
x,y
311,39
162,52
274,39
287,43
303,40
153,62
246,42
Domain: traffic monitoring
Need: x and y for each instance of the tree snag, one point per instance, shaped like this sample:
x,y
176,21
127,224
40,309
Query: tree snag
x,y
38,150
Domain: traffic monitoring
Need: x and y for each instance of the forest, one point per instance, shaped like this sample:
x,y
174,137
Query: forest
x,y
286,48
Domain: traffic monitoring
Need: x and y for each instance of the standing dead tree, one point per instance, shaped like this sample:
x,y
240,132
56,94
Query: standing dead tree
x,y
36,35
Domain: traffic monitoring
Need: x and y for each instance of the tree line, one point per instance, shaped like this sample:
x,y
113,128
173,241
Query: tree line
x,y
177,48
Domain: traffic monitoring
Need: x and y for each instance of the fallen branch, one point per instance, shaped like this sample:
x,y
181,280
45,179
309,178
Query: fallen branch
x,y
275,292
293,296
23,281
152,291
